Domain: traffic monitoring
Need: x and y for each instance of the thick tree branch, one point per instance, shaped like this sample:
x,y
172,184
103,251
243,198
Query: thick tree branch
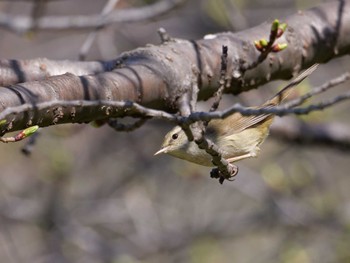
x,y
18,71
157,76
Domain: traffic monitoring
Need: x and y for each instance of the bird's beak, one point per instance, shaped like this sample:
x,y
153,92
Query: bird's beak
x,y
162,150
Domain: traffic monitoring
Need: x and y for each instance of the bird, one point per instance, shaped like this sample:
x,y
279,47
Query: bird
x,y
238,137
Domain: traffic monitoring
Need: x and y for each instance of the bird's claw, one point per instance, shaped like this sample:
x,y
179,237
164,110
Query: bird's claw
x,y
217,174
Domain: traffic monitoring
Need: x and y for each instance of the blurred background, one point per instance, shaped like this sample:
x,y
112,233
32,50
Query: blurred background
x,y
95,195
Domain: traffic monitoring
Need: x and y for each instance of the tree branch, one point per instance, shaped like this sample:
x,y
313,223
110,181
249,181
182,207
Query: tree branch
x,y
18,71
108,8
293,130
22,24
157,76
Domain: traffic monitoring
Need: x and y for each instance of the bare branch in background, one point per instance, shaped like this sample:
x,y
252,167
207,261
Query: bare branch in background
x,y
108,8
38,10
330,134
21,24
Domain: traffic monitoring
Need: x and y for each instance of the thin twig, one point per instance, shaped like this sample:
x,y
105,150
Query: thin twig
x,y
277,110
222,81
193,117
224,170
114,105
164,36
315,91
135,108
275,33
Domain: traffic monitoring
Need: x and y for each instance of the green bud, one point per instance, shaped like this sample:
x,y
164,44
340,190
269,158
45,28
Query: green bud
x,y
283,26
257,45
281,30
282,46
275,25
263,42
30,130
279,47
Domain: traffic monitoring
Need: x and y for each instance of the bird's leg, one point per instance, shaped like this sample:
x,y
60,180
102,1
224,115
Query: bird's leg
x,y
244,156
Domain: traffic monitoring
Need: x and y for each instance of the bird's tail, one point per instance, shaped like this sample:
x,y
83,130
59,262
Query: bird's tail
x,y
284,93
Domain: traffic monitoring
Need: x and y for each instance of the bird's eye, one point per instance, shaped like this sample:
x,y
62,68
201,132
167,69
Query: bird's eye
x,y
174,136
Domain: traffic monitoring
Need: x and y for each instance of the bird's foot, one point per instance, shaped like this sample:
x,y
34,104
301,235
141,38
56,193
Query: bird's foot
x,y
228,174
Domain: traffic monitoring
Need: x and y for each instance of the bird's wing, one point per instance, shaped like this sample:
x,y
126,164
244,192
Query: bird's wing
x,y
237,122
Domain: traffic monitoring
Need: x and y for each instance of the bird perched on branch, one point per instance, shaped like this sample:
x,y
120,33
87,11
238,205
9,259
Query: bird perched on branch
x,y
238,137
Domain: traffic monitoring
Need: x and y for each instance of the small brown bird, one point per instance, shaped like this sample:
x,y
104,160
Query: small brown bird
x,y
237,136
